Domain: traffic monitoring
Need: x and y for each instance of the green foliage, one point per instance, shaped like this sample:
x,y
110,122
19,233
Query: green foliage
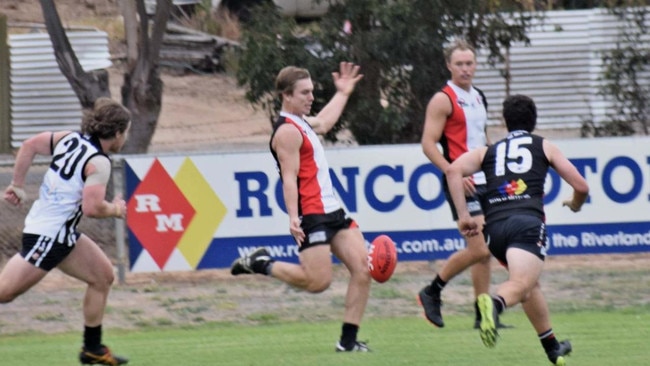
x,y
399,45
622,67
269,40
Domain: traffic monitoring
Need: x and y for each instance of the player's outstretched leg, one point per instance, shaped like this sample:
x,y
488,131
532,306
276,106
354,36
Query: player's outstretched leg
x,y
556,356
103,356
487,329
255,262
431,304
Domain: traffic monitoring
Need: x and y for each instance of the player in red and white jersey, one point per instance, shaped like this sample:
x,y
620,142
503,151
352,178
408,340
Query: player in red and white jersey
x,y
456,119
316,194
317,221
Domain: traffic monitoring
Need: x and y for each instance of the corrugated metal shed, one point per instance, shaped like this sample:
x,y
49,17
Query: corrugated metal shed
x,y
41,97
560,70
150,5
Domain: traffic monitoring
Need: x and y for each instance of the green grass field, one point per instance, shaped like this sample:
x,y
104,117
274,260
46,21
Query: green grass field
x,y
617,337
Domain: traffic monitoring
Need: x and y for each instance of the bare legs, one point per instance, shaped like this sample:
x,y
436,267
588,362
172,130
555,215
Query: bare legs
x,y
314,273
476,255
88,263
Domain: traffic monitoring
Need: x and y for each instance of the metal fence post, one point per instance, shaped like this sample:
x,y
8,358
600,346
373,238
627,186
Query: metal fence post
x,y
5,111
120,241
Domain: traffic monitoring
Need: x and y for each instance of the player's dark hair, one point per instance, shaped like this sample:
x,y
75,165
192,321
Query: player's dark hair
x,y
520,113
107,118
287,78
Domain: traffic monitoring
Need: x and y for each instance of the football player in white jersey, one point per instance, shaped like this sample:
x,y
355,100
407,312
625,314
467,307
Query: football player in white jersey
x,y
456,119
74,185
317,221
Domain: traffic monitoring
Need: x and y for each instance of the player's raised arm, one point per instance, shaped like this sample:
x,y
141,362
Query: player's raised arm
x,y
345,81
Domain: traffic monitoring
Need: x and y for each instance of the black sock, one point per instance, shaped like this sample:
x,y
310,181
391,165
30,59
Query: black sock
x,y
499,303
93,338
262,267
269,268
549,342
349,335
436,286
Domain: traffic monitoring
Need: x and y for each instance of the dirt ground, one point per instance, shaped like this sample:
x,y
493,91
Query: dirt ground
x,y
570,283
207,112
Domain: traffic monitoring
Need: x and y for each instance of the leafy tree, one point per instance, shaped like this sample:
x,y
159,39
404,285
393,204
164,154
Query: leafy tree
x,y
623,66
399,45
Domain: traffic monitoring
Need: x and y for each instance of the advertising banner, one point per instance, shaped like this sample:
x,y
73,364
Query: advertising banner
x,y
203,211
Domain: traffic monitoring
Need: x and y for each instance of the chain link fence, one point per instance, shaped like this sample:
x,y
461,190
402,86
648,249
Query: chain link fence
x,y
102,231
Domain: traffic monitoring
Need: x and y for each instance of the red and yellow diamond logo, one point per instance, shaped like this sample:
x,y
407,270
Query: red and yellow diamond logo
x,y
179,214
159,213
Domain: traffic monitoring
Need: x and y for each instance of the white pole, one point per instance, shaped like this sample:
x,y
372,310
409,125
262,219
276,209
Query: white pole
x,y
120,242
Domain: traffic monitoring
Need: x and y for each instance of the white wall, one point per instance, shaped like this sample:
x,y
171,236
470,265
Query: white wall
x,y
560,69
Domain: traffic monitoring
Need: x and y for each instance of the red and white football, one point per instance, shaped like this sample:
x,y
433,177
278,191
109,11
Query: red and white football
x,y
382,258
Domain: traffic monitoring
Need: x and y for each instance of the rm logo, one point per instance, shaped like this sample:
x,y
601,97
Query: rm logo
x,y
151,203
158,213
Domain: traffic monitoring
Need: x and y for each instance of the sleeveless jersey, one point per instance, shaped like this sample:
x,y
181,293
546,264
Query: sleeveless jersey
x,y
516,169
315,191
57,211
465,127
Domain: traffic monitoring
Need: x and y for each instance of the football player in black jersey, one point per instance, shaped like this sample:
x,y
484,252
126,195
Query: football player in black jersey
x,y
515,228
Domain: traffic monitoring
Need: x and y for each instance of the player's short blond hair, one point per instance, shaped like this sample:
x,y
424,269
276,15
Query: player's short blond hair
x,y
459,44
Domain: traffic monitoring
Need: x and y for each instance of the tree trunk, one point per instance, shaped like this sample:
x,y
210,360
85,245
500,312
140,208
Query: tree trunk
x,y
142,89
87,86
144,99
129,14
